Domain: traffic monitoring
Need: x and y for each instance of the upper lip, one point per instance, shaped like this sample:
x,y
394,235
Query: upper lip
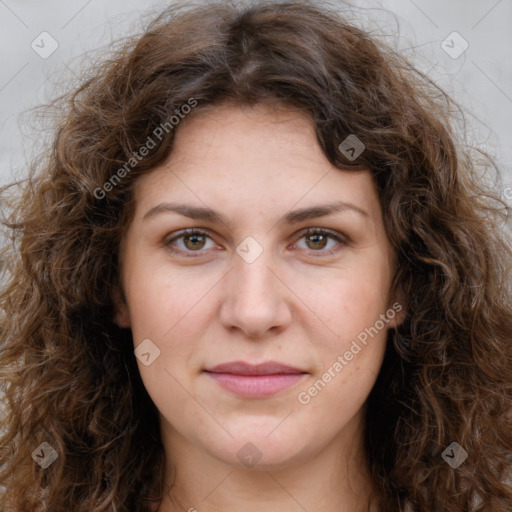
x,y
243,368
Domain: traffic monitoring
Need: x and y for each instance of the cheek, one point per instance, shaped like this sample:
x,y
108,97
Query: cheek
x,y
162,300
348,304
168,309
172,309
351,354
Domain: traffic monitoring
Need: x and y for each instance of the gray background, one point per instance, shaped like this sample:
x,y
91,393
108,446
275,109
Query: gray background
x,y
480,79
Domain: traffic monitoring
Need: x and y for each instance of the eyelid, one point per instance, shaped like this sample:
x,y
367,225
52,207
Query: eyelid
x,y
339,237
326,231
167,242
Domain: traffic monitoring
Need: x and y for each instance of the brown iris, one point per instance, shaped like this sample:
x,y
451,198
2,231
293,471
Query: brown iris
x,y
197,241
318,239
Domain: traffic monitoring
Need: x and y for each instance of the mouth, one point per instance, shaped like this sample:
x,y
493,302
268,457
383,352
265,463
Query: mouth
x,y
255,381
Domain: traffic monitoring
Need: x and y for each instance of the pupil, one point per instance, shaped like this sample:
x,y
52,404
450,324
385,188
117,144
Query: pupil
x,y
194,241
319,239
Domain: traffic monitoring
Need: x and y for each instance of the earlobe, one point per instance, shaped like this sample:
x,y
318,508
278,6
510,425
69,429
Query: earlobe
x,y
122,318
397,313
122,313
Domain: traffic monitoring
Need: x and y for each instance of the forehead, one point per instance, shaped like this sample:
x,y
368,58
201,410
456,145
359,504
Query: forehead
x,y
260,156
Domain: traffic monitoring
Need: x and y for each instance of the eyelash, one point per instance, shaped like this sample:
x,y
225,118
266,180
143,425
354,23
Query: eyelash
x,y
310,231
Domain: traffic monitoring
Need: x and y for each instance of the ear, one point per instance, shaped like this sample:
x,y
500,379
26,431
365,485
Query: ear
x,y
397,311
122,313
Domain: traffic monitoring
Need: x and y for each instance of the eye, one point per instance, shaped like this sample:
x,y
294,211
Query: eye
x,y
189,240
195,241
317,240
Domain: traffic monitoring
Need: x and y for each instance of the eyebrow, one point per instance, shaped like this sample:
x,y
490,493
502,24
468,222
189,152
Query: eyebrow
x,y
294,217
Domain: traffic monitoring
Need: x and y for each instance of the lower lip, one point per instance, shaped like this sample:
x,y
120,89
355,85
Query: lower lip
x,y
255,386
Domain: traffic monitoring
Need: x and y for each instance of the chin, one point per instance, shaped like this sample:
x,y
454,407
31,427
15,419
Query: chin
x,y
257,447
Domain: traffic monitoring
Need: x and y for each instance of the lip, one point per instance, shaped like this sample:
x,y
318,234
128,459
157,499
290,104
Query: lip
x,y
255,381
243,368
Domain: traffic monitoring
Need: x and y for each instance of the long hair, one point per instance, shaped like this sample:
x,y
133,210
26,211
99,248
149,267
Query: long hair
x,y
68,373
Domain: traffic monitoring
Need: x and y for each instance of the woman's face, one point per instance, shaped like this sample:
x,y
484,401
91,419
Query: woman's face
x,y
254,287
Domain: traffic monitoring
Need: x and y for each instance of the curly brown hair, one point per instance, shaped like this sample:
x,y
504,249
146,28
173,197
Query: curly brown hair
x,y
68,373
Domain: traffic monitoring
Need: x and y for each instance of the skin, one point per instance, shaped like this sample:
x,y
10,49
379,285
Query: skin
x,y
294,304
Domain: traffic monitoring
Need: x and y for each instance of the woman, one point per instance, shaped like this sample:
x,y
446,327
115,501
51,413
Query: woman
x,y
256,272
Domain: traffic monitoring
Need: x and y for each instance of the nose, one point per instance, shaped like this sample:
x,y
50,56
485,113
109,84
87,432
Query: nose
x,y
255,302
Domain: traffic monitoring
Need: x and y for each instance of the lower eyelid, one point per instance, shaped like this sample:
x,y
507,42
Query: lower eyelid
x,y
333,236
170,242
340,243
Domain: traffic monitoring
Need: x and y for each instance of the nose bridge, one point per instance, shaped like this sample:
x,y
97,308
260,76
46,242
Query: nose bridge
x,y
254,299
251,263
254,279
